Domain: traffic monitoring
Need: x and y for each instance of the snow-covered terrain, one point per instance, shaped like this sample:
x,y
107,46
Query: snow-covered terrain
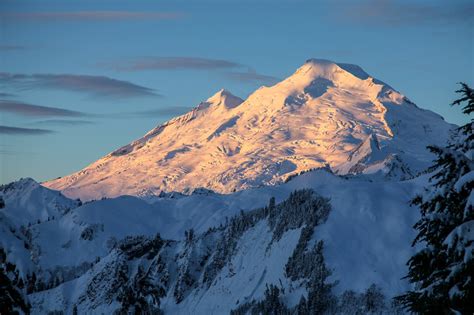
x,y
297,198
92,256
326,113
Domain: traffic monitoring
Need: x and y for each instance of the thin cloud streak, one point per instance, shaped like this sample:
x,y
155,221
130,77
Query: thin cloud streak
x,y
153,113
17,131
90,15
393,13
95,86
170,63
251,77
62,122
11,47
7,150
30,110
191,63
10,152
169,111
6,94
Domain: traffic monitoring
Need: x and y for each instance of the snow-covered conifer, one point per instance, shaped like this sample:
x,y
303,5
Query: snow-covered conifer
x,y
442,272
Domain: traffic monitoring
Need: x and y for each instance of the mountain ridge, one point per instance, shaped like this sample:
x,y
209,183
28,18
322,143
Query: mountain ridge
x,y
318,116
210,252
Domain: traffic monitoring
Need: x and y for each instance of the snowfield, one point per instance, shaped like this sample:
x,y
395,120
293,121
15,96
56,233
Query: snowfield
x,y
367,240
297,198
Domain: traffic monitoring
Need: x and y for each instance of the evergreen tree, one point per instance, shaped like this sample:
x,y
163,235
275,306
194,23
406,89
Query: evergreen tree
x,y
271,204
12,297
30,287
272,303
302,307
443,271
373,300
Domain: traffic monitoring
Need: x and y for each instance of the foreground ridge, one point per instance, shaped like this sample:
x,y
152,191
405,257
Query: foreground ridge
x,y
316,243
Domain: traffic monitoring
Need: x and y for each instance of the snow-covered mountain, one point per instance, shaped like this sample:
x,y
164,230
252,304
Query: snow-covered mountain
x,y
344,239
29,202
295,200
325,114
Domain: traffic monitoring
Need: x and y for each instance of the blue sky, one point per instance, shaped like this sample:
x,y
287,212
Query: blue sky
x,y
80,78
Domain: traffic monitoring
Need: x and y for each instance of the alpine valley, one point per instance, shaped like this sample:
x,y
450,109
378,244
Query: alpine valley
x,y
295,200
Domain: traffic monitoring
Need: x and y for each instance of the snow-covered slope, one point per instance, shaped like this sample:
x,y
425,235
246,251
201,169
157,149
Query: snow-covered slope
x,y
326,113
27,202
103,254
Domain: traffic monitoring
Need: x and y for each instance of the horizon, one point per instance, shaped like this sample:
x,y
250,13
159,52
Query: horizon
x,y
79,104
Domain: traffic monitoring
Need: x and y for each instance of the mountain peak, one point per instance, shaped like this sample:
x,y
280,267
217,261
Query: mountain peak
x,y
330,69
321,115
222,97
22,183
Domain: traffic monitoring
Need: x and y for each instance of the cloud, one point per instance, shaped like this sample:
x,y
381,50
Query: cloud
x,y
6,94
96,86
7,130
393,13
158,112
168,111
90,15
11,152
63,122
11,47
30,110
251,76
170,63
233,70
6,149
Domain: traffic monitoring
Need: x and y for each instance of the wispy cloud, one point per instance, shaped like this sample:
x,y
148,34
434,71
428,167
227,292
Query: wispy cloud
x,y
51,16
13,152
67,116
168,111
251,76
6,149
96,86
62,122
154,113
229,69
170,63
30,110
7,94
7,130
11,47
396,13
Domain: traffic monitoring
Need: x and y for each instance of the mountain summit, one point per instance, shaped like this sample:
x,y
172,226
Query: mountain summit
x,y
325,114
223,98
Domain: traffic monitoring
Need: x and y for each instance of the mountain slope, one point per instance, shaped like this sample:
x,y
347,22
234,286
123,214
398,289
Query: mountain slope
x,y
96,256
320,115
27,202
